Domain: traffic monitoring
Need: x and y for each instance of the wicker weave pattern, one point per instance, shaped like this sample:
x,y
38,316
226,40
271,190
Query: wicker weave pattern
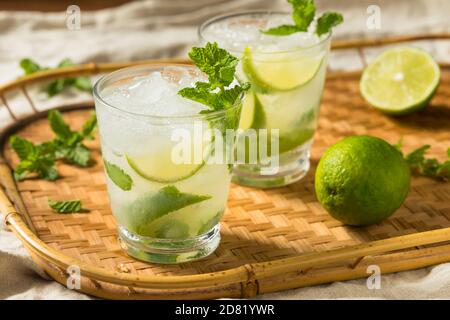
x,y
258,225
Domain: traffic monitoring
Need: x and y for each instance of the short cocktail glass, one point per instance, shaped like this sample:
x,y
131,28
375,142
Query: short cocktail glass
x,y
287,74
167,200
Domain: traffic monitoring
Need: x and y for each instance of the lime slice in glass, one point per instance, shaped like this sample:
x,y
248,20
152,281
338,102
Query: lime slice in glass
x,y
400,80
253,114
279,71
161,168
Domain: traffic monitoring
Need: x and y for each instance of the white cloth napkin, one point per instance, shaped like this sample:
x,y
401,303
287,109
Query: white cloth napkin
x,y
156,29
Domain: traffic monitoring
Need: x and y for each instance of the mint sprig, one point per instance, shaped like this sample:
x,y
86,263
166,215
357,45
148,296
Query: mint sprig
x,y
57,86
67,146
220,67
429,167
303,14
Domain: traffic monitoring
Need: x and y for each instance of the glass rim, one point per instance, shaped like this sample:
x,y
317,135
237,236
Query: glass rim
x,y
225,16
198,116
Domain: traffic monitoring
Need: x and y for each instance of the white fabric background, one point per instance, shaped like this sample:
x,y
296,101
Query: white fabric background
x,y
158,28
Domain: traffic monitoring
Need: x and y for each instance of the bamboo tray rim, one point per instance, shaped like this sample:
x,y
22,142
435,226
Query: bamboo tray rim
x,y
246,275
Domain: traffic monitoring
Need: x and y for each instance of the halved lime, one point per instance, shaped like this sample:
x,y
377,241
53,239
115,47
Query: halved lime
x,y
279,71
400,80
161,168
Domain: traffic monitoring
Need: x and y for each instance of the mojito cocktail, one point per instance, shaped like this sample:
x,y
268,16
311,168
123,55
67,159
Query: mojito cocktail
x,y
287,75
165,194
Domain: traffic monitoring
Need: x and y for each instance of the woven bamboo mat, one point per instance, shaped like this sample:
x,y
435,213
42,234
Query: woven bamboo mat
x,y
259,225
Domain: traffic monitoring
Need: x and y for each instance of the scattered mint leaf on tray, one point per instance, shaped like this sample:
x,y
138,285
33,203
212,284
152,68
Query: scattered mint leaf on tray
x,y
33,159
29,66
118,176
67,146
303,14
70,206
429,167
57,86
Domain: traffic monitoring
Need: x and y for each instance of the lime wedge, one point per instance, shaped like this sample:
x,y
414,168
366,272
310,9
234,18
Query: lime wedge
x,y
162,169
280,71
253,114
400,80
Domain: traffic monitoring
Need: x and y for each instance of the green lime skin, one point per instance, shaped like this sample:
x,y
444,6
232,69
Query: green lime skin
x,y
362,180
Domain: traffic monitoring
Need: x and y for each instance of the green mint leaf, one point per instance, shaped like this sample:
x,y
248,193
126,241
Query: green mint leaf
x,y
59,126
22,147
118,176
429,167
71,206
444,171
399,145
65,63
78,154
327,21
173,229
55,87
89,126
202,94
34,159
83,84
217,63
208,225
416,158
29,66
303,13
229,97
283,30
153,205
43,166
448,152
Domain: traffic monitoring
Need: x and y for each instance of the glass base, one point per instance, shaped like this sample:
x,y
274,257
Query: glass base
x,y
293,167
169,251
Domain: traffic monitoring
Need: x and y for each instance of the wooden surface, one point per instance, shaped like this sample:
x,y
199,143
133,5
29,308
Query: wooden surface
x,y
260,225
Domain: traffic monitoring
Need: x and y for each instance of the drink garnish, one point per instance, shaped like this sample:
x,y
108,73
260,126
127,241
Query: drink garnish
x,y
303,14
220,67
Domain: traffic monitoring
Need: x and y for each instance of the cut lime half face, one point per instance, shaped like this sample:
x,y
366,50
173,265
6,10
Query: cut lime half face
x,y
400,80
161,168
279,71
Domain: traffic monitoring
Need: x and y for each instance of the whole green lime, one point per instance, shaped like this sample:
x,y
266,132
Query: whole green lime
x,y
362,180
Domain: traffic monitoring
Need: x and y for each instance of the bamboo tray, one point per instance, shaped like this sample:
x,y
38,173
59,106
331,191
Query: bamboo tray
x,y
272,240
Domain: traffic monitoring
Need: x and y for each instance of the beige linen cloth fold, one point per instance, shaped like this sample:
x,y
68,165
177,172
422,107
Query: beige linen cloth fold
x,y
156,29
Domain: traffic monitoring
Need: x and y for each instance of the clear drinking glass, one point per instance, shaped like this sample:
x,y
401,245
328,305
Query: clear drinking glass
x,y
287,75
167,207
